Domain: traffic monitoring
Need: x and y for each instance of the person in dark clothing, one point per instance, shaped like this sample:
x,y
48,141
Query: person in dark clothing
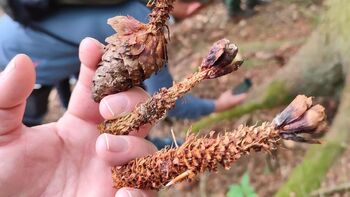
x,y
57,61
68,157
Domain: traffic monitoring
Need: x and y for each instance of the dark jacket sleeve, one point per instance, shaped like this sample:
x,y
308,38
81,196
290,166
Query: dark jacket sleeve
x,y
187,107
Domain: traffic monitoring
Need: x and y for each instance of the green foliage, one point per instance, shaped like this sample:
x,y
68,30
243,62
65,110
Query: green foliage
x,y
308,175
304,2
243,189
235,112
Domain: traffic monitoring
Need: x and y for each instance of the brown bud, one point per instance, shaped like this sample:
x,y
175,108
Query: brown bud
x,y
220,55
309,121
293,111
216,72
301,116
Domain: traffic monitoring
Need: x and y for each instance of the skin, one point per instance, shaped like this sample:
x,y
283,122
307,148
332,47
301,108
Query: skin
x,y
228,100
182,10
68,157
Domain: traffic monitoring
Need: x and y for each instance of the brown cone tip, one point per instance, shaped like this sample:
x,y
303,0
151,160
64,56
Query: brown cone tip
x,y
301,116
221,54
219,60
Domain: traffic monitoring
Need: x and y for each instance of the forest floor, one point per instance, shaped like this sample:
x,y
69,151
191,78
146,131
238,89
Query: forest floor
x,y
266,41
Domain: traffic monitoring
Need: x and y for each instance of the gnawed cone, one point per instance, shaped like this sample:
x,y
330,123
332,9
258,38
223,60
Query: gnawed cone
x,y
198,154
134,53
218,62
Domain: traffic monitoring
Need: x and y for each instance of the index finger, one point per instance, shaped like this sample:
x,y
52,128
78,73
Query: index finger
x,y
81,104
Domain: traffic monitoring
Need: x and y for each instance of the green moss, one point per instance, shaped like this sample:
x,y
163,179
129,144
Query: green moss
x,y
337,18
319,158
310,173
275,95
235,112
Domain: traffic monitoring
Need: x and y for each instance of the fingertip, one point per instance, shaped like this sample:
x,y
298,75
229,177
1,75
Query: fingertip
x,y
121,103
107,145
17,81
89,43
24,62
118,150
101,144
81,103
25,59
244,95
90,52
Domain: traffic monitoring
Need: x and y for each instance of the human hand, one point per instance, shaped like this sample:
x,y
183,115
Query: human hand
x,y
228,100
68,157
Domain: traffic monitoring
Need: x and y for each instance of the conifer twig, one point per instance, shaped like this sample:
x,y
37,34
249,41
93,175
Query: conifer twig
x,y
218,62
199,154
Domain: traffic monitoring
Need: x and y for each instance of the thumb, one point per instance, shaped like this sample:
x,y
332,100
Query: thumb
x,y
16,84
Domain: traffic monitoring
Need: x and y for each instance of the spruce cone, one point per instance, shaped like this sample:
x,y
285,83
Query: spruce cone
x,y
134,53
218,62
197,155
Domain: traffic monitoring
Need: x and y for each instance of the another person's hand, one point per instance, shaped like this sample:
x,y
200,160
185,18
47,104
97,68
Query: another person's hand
x,y
68,157
182,9
228,100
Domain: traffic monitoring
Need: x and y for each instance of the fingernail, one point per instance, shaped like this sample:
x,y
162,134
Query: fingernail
x,y
89,39
86,40
116,143
116,106
129,193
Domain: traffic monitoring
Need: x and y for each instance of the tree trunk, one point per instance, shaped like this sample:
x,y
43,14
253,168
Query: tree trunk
x,y
319,68
314,70
308,175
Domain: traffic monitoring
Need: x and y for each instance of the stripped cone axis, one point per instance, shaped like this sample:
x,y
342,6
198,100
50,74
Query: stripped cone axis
x,y
198,154
218,62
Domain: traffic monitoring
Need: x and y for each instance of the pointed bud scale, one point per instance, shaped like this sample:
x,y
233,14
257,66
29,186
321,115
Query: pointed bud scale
x,y
293,111
220,55
301,116
219,60
308,122
216,72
